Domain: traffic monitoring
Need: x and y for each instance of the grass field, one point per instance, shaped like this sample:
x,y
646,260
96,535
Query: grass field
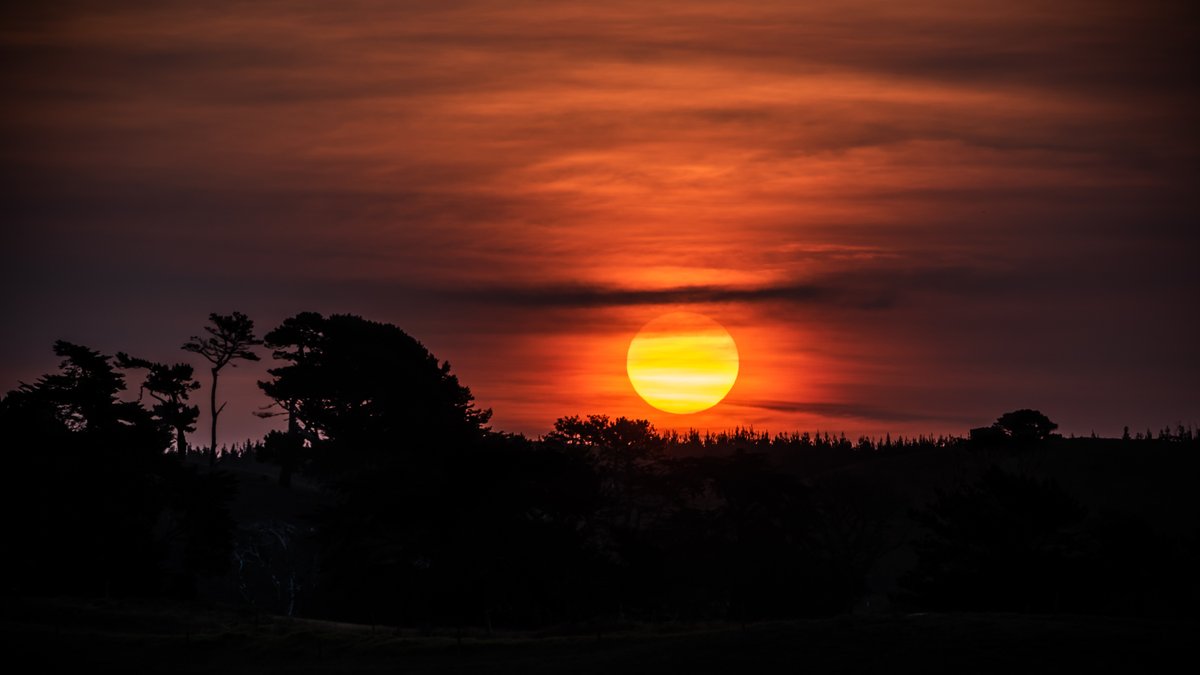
x,y
84,636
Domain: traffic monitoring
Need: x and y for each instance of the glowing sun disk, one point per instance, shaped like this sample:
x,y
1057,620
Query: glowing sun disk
x,y
682,362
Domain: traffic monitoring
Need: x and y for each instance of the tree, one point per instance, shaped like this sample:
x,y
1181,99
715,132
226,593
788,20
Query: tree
x,y
88,480
230,337
363,393
293,340
170,386
619,445
625,452
287,450
83,395
1025,425
399,442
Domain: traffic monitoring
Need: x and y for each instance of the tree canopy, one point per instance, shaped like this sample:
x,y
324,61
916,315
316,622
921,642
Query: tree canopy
x,y
354,388
1025,425
170,386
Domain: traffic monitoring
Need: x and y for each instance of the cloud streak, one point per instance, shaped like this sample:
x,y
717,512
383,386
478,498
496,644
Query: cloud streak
x,y
846,411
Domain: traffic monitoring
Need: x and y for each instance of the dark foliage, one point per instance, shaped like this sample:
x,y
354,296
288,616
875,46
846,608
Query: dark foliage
x,y
170,386
1007,542
93,505
1011,542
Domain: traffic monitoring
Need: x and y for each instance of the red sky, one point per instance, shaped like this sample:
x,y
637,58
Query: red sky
x,y
911,216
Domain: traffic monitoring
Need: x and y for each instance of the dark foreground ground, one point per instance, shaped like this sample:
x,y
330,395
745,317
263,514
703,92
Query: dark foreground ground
x,y
112,636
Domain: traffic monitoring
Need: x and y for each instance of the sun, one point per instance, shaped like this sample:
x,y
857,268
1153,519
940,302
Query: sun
x,y
682,362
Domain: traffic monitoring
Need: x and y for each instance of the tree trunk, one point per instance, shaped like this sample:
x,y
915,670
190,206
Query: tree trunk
x,y
288,461
212,448
180,442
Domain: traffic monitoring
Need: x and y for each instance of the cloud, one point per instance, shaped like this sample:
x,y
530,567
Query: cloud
x,y
864,286
846,411
582,296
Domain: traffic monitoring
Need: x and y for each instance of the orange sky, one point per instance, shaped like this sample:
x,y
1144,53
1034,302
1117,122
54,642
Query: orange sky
x,y
910,216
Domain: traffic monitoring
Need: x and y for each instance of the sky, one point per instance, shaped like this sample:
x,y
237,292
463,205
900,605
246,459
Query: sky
x,y
911,217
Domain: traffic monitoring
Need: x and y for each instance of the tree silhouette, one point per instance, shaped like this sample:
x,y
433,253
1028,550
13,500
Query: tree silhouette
x,y
387,428
1025,425
170,386
89,481
366,391
293,340
83,396
230,337
625,453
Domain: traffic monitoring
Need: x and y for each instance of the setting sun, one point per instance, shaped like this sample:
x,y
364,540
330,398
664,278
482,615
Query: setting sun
x,y
682,362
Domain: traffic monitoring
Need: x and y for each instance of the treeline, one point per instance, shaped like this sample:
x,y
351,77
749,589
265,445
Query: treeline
x,y
427,516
